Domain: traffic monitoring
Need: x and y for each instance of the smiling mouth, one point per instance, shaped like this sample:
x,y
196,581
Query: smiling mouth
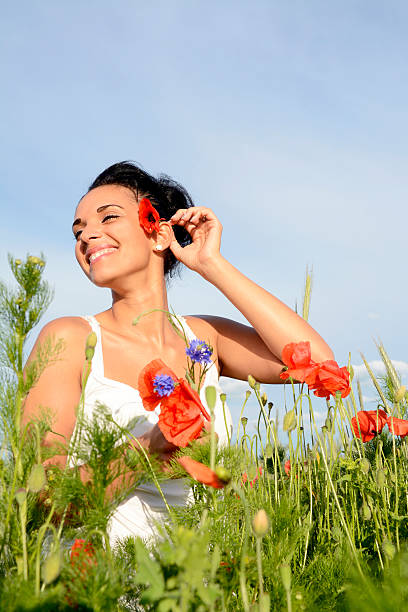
x,y
92,258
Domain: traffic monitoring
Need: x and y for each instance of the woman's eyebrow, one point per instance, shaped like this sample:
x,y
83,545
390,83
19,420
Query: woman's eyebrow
x,y
98,210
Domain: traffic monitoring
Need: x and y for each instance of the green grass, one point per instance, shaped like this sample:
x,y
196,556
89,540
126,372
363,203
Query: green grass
x,y
338,522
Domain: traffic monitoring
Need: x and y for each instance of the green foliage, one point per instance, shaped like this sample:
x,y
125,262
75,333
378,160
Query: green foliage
x,y
338,511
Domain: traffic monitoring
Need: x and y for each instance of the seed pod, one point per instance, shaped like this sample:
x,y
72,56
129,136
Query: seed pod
x,y
289,421
223,474
400,394
268,452
252,472
388,549
37,479
251,381
91,340
286,576
21,496
380,478
365,465
223,397
51,568
264,399
211,397
260,524
365,511
247,395
244,421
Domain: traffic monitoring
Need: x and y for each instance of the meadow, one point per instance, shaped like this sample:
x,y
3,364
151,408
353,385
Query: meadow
x,y
319,523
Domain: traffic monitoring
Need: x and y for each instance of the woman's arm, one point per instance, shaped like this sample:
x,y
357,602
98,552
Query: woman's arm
x,y
241,349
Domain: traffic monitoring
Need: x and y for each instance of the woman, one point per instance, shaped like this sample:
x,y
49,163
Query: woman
x,y
116,252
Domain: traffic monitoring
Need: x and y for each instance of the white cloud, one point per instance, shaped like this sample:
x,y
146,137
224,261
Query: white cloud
x,y
232,385
378,368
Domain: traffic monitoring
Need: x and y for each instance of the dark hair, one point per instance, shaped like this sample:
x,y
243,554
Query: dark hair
x,y
165,194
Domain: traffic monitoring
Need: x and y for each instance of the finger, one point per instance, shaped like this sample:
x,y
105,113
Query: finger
x,y
180,214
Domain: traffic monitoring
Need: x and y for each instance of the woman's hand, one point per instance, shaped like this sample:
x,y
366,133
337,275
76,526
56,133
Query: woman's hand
x,y
154,442
205,231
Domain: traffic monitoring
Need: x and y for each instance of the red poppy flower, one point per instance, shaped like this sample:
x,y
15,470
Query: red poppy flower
x,y
399,427
251,482
297,357
145,384
287,467
371,423
327,378
200,472
182,415
82,555
148,216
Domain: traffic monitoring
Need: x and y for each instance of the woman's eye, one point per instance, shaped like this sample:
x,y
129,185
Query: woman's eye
x,y
77,234
109,217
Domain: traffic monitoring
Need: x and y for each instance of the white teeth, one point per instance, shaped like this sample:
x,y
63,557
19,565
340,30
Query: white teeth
x,y
99,253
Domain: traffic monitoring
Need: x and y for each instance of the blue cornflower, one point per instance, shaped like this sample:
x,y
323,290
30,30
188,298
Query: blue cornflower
x,y
163,385
199,351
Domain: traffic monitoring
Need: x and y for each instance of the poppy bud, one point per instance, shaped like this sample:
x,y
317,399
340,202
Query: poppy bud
x,y
365,511
18,262
91,340
223,474
89,353
286,576
257,387
289,421
211,397
264,399
268,452
252,472
400,394
380,478
33,260
260,524
365,465
21,495
223,397
37,479
388,549
244,421
51,568
247,395
251,381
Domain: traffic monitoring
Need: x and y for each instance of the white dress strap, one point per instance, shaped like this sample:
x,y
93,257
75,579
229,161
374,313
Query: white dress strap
x,y
97,361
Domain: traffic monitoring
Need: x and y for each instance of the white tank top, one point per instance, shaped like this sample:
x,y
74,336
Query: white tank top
x,y
136,515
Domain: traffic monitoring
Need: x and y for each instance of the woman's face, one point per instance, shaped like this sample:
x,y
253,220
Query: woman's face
x,y
110,243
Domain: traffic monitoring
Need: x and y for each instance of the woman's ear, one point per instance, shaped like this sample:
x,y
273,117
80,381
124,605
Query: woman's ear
x,y
164,236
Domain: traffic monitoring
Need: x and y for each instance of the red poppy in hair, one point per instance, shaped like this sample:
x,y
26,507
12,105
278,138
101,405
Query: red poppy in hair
x,y
148,216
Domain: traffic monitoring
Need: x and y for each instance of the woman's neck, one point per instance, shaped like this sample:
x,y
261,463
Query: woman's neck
x,y
142,298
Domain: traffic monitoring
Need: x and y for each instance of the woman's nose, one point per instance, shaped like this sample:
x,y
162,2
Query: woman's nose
x,y
90,232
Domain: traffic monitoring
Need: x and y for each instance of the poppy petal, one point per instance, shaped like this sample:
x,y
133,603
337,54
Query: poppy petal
x,y
200,472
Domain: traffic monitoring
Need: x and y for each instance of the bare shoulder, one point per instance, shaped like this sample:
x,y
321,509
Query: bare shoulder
x,y
72,331
66,327
216,325
201,325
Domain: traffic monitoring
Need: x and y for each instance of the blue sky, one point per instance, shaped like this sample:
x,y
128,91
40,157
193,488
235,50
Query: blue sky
x,y
288,119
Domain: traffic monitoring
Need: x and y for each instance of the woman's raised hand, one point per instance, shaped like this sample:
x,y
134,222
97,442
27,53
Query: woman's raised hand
x,y
205,231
